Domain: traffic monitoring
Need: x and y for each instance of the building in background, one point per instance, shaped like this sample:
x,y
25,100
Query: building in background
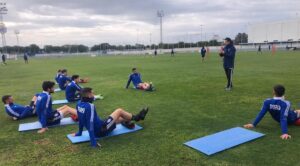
x,y
275,32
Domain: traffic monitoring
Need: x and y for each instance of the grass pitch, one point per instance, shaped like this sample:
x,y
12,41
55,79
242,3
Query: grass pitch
x,y
190,102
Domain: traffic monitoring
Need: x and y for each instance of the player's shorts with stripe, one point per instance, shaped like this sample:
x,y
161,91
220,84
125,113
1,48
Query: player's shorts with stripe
x,y
54,118
108,126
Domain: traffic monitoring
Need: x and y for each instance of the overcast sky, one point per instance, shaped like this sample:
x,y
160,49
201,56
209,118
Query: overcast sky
x,y
90,22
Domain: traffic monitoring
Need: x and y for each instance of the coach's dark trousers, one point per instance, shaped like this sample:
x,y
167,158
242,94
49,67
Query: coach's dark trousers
x,y
229,74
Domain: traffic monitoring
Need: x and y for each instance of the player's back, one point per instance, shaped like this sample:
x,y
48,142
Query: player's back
x,y
280,108
88,117
43,103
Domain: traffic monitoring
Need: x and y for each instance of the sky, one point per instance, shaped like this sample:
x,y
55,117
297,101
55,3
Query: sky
x,y
120,22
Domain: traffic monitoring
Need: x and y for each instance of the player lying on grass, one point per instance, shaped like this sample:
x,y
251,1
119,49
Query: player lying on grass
x,y
18,111
73,89
46,115
280,110
135,77
88,118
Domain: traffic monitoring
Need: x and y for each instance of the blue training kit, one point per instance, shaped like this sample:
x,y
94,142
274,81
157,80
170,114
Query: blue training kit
x,y
19,111
89,119
46,115
135,78
72,91
62,81
280,111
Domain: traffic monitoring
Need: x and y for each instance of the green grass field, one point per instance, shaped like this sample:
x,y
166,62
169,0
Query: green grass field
x,y
190,102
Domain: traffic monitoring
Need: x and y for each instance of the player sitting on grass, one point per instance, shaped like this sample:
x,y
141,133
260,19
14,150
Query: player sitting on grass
x,y
57,75
46,115
63,79
18,111
280,110
88,118
135,77
73,89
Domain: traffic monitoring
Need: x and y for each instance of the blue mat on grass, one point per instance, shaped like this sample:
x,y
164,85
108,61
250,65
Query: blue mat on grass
x,y
37,125
223,140
120,129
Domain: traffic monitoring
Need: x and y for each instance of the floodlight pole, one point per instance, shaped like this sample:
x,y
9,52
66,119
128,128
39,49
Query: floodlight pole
x,y
160,14
3,10
17,32
201,26
150,39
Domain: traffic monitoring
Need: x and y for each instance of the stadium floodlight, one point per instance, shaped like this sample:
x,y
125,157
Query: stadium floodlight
x,y
160,14
3,29
17,32
201,27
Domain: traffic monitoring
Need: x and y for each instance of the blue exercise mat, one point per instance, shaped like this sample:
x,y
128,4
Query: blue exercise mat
x,y
37,125
57,90
120,129
65,101
55,102
223,140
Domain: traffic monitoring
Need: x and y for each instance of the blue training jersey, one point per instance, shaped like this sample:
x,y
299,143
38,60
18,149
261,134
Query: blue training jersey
x,y
229,56
44,108
18,111
62,81
203,51
57,77
89,119
280,111
135,78
71,90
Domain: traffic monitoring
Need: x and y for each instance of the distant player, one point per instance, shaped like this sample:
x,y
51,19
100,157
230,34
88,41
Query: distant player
x,y
4,59
25,57
280,110
88,118
273,49
259,49
19,111
63,79
73,89
136,79
46,115
172,53
155,52
203,52
207,50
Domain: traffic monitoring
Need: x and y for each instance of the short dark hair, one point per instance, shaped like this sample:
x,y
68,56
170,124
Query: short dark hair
x,y
5,97
279,90
48,85
133,69
64,70
85,92
59,70
75,77
229,40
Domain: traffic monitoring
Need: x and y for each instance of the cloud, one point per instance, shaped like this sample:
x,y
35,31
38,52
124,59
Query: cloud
x,y
129,21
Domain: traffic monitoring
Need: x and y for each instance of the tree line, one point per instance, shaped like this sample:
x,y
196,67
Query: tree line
x,y
35,49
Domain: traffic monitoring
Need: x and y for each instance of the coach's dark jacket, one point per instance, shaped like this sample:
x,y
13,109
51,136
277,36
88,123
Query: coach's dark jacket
x,y
229,55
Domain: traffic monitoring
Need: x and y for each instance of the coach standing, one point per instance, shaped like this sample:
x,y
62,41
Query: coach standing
x,y
228,54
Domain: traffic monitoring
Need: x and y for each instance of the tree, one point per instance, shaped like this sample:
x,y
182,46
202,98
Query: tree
x,y
214,43
241,38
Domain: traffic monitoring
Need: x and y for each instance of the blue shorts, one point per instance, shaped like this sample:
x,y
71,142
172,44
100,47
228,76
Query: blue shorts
x,y
108,126
54,118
